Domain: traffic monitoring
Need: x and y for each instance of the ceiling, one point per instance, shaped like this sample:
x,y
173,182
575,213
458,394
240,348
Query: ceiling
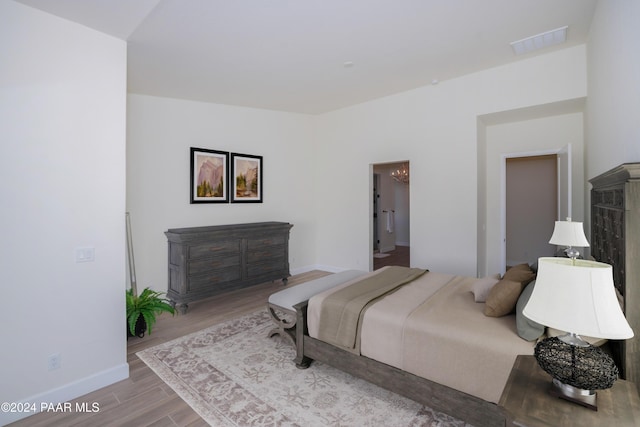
x,y
290,55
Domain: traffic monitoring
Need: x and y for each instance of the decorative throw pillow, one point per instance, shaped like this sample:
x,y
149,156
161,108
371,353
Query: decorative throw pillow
x,y
482,287
520,273
503,298
527,328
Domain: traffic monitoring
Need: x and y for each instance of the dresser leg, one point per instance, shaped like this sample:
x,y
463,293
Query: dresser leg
x,y
182,308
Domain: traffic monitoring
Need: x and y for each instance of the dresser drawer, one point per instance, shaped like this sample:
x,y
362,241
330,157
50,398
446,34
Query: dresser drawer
x,y
256,270
214,249
217,278
199,266
267,241
266,254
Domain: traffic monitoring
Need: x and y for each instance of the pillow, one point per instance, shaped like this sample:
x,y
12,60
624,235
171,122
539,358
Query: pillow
x,y
527,329
520,273
503,298
482,287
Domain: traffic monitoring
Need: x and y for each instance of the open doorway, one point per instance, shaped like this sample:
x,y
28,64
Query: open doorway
x,y
546,189
390,221
531,207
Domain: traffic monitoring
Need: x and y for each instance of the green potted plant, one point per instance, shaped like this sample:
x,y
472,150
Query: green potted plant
x,y
142,310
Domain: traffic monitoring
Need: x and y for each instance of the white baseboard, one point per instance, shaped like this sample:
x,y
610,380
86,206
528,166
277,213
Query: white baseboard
x,y
309,268
69,392
388,249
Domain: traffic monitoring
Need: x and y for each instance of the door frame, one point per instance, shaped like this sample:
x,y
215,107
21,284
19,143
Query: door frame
x,y
563,193
376,212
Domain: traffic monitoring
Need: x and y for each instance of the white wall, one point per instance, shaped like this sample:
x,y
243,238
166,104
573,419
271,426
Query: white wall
x,y
317,168
62,162
613,107
159,134
436,129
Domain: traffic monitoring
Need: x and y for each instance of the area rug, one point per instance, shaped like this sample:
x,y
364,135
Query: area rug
x,y
232,374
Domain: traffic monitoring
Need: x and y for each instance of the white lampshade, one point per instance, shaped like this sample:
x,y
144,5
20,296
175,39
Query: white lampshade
x,y
569,233
579,297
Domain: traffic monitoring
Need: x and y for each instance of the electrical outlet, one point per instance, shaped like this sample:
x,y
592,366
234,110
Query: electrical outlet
x,y
53,362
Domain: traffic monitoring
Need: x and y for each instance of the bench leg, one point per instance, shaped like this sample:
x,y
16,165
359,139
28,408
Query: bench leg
x,y
301,361
283,327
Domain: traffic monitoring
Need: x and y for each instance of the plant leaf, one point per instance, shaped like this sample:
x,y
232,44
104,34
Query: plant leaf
x,y
148,304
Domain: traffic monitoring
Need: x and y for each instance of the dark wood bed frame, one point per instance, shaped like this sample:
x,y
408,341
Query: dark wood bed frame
x,y
615,239
471,409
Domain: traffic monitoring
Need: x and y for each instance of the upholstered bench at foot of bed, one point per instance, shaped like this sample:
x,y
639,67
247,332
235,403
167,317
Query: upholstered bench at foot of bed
x,y
280,305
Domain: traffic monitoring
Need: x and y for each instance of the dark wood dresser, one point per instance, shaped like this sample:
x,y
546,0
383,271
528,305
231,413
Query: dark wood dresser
x,y
206,261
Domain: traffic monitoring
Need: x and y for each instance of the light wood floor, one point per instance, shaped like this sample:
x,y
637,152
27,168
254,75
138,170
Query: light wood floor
x,y
144,399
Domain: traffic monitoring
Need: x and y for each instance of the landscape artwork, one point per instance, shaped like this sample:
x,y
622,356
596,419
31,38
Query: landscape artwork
x,y
209,176
246,178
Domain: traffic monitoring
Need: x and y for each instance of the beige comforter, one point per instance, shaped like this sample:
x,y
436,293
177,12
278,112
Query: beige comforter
x,y
342,310
431,327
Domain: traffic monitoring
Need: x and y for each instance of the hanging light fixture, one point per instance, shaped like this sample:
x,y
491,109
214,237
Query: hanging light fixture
x,y
401,174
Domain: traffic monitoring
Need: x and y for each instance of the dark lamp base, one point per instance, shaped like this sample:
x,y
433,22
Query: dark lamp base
x,y
586,398
576,370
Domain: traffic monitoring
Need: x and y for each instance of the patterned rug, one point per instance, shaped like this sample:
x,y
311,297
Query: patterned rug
x,y
231,374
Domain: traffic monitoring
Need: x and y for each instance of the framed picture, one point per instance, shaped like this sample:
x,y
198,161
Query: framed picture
x,y
246,179
209,176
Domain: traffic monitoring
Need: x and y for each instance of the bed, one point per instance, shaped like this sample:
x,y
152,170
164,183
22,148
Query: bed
x,y
433,328
428,337
470,354
615,240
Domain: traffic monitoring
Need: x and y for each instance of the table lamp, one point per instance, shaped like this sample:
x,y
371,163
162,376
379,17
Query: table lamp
x,y
569,233
579,297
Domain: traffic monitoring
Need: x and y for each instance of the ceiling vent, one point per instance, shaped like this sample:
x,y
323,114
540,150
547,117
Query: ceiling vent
x,y
540,41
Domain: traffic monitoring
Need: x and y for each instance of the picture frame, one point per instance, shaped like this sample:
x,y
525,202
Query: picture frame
x,y
246,178
209,176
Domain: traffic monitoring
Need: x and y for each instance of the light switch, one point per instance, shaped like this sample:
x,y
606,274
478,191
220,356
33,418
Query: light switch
x,y
85,254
